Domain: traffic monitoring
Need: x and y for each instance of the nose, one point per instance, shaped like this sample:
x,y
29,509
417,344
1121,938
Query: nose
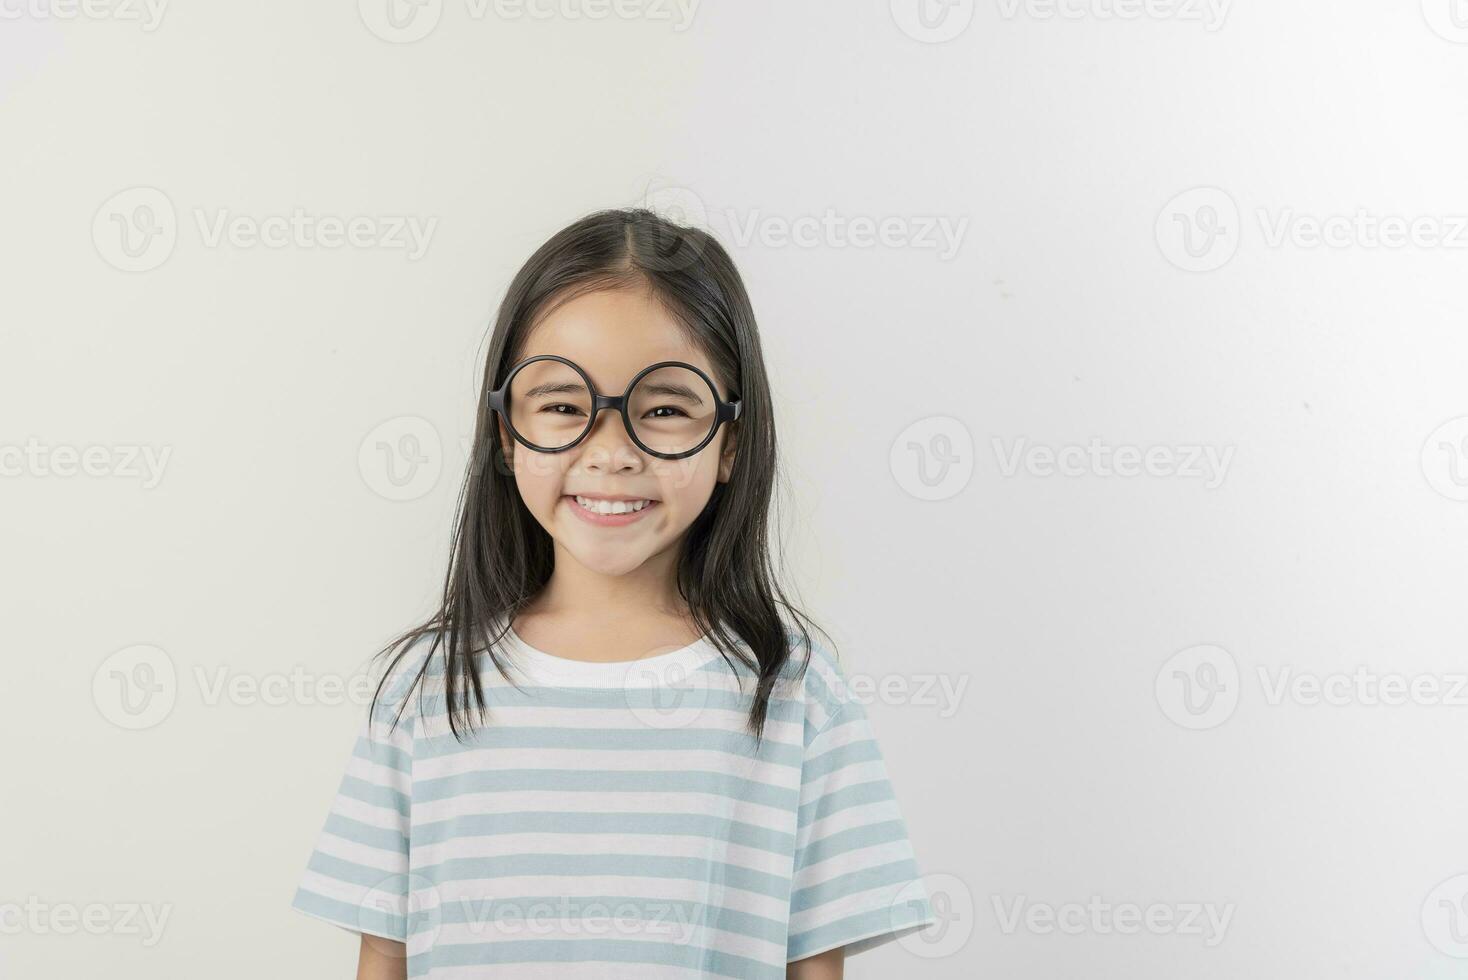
x,y
608,446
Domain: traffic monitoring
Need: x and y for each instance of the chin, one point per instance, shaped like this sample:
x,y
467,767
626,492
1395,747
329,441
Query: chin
x,y
607,563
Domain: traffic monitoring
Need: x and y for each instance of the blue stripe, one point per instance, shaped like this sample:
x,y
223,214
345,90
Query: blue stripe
x,y
382,838
377,794
563,822
615,740
578,951
668,913
851,839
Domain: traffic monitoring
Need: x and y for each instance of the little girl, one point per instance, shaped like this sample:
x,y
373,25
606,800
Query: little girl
x,y
609,753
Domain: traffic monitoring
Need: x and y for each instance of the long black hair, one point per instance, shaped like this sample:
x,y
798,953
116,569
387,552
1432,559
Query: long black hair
x,y
501,556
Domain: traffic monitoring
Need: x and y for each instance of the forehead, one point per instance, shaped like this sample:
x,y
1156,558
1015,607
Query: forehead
x,y
613,334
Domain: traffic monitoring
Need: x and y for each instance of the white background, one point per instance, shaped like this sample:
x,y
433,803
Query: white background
x,y
1078,766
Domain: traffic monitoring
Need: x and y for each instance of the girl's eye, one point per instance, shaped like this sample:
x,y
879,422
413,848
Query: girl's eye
x,y
552,408
668,408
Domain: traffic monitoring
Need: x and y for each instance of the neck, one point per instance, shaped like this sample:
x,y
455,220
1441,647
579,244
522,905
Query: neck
x,y
577,594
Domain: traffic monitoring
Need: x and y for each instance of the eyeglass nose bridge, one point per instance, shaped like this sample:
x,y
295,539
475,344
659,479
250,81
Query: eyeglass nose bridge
x,y
617,403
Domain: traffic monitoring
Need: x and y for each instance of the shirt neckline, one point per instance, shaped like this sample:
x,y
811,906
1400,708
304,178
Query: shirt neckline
x,y
656,671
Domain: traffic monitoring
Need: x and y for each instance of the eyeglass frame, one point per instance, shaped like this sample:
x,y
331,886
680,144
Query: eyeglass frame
x,y
724,411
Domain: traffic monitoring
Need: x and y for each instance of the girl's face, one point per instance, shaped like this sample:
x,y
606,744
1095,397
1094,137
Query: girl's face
x,y
612,334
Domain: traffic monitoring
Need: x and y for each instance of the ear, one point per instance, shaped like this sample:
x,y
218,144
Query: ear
x,y
726,453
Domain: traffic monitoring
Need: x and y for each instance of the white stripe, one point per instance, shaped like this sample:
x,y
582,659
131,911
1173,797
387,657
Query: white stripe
x,y
847,905
384,817
851,818
856,859
499,845
388,862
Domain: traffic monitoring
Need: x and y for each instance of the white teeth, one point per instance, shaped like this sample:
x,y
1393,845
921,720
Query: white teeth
x,y
612,506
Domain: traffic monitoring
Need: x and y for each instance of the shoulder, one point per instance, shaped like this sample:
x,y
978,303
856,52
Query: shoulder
x,y
406,675
822,680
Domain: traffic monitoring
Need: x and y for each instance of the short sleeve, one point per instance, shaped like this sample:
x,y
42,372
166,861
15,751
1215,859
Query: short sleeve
x,y
856,881
357,876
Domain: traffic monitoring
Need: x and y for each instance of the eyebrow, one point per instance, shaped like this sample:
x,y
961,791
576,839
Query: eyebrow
x,y
555,388
671,388
655,387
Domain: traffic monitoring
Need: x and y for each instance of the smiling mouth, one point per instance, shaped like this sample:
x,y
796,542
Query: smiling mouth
x,y
600,506
609,512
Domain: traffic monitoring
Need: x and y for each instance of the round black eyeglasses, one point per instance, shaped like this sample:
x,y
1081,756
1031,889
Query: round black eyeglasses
x,y
671,410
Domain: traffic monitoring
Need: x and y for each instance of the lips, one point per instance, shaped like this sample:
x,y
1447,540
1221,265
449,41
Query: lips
x,y
611,505
609,520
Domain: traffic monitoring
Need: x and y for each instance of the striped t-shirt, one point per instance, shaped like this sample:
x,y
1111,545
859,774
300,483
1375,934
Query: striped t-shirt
x,y
611,820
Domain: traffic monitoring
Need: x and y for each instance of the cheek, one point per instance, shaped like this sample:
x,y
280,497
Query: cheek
x,y
687,483
539,479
